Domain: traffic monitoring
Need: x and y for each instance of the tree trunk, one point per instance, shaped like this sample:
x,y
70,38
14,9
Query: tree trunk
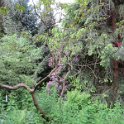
x,y
116,15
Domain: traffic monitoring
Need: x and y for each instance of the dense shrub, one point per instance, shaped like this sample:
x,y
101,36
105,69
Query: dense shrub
x,y
79,108
20,117
17,60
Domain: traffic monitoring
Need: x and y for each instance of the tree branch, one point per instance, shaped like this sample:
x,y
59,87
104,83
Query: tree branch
x,y
35,10
40,82
16,87
36,104
32,93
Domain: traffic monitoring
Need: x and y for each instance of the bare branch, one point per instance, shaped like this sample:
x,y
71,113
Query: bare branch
x,y
32,93
40,82
36,104
38,14
16,87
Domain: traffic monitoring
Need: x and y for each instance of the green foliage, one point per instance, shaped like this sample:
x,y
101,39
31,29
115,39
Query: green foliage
x,y
76,108
17,60
79,108
18,108
47,2
20,117
82,33
4,11
20,8
107,54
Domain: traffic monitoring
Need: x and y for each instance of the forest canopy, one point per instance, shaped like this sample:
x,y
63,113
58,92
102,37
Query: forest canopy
x,y
61,63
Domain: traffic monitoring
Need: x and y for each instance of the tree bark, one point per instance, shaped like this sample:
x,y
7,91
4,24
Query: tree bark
x,y
32,92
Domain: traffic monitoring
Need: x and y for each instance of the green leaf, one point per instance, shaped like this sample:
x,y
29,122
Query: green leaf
x,y
4,11
20,8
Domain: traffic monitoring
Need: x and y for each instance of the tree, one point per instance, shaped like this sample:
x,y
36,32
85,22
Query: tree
x,y
81,52
18,62
18,17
